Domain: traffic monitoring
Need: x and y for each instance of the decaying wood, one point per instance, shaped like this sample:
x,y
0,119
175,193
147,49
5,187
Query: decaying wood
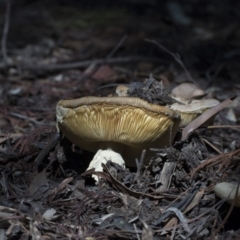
x,y
166,175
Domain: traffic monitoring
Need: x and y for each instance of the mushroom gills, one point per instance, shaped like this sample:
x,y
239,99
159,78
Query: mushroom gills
x,y
123,124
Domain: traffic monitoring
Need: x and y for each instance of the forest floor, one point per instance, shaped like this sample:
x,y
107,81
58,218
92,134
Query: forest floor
x,y
59,52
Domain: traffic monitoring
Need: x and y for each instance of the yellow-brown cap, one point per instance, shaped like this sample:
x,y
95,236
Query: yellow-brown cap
x,y
186,92
193,109
124,124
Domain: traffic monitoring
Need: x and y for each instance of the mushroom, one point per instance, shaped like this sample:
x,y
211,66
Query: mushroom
x,y
186,92
227,191
123,124
102,156
122,91
193,109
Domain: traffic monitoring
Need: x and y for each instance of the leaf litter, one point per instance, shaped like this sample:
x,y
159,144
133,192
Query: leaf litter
x,y
46,193
125,204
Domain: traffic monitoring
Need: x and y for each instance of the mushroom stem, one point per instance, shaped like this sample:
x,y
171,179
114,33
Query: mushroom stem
x,y
103,156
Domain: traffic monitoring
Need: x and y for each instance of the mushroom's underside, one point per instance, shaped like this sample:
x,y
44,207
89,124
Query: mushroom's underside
x,y
126,125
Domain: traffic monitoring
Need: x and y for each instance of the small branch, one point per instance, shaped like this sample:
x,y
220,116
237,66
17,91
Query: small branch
x,y
5,32
180,205
45,151
196,123
95,66
25,118
115,49
177,58
166,175
83,64
140,163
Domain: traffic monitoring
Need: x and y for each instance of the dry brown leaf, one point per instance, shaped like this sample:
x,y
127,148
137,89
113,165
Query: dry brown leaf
x,y
171,223
103,73
195,200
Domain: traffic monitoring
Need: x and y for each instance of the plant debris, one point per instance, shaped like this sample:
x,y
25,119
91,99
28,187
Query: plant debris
x,y
152,91
70,51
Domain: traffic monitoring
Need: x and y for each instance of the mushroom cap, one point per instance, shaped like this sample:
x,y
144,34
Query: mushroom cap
x,y
122,91
123,124
193,109
227,191
186,91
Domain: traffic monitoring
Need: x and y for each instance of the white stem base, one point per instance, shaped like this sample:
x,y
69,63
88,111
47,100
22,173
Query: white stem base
x,y
102,156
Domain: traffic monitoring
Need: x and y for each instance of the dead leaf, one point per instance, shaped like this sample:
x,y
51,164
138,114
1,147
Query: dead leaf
x,y
195,200
104,72
39,180
171,223
49,214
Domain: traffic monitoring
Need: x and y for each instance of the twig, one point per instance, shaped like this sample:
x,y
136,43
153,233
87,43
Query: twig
x,y
173,232
211,145
4,184
180,205
204,117
107,86
25,118
5,31
189,221
93,68
135,228
86,75
120,43
82,64
233,127
215,160
140,163
177,58
166,175
224,126
45,151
